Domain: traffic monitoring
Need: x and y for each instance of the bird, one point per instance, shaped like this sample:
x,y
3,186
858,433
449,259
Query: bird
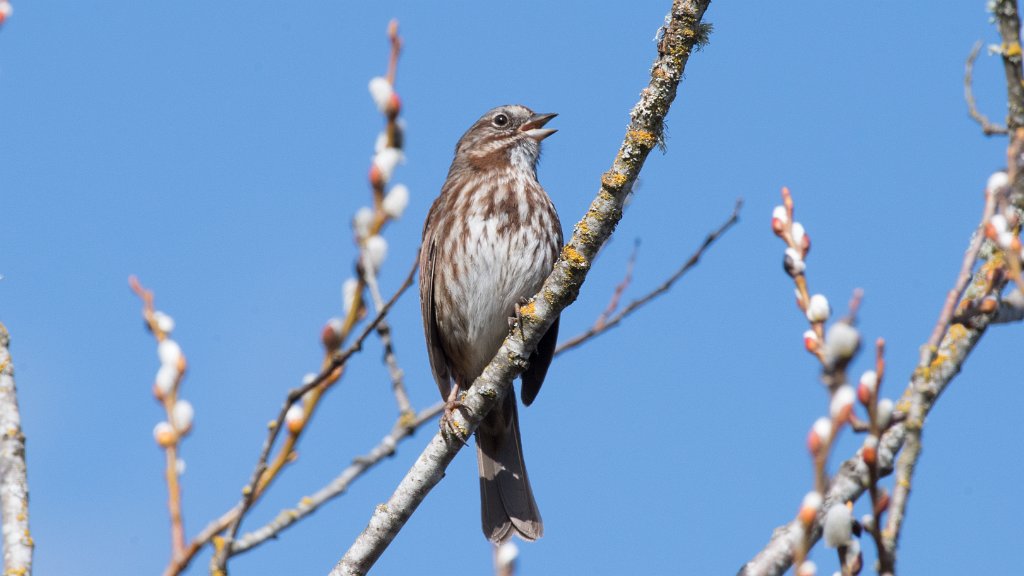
x,y
490,239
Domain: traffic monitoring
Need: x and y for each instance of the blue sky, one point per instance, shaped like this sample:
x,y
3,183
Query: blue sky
x,y
219,151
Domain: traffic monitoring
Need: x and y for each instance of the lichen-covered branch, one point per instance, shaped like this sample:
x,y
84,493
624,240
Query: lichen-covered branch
x,y
927,383
682,33
18,543
849,482
1008,21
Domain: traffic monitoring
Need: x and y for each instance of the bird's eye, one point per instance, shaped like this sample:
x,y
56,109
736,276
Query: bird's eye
x,y
500,120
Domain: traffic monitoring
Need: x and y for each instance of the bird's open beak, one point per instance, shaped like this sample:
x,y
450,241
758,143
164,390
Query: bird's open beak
x,y
534,127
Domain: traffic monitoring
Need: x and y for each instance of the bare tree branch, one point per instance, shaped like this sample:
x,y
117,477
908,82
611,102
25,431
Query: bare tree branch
x,y
359,466
987,127
169,433
929,350
682,32
405,410
17,539
848,484
258,482
606,321
181,561
1008,21
926,384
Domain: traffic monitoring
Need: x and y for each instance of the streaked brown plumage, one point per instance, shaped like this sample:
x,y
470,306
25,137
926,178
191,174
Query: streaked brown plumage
x,y
490,240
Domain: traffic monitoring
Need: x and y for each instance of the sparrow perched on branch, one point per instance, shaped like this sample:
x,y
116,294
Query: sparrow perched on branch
x,y
490,240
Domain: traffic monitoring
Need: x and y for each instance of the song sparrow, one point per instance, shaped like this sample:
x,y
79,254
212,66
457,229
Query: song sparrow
x,y
490,240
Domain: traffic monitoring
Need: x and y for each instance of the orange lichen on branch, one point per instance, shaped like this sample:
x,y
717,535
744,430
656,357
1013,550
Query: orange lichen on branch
x,y
641,138
572,256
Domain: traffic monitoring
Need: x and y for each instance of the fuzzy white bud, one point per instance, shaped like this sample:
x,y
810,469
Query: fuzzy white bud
x,y
869,380
386,161
295,417
868,522
381,91
5,10
812,501
823,429
842,401
883,413
376,248
362,222
395,201
997,181
838,526
999,223
164,434
797,230
808,568
164,322
381,142
793,262
308,379
779,213
166,378
169,352
871,442
811,341
818,309
841,342
506,555
336,324
348,299
1004,239
182,415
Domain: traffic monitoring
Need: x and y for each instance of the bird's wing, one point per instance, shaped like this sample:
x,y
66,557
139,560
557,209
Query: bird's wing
x,y
438,360
533,377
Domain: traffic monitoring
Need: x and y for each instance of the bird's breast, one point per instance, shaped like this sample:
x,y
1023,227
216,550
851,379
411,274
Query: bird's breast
x,y
501,252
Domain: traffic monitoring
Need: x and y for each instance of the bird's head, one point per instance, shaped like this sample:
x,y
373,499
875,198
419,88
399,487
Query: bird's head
x,y
506,134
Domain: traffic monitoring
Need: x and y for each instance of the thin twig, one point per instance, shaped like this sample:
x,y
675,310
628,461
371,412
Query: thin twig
x,y
405,409
682,32
620,289
923,390
359,466
17,540
235,514
854,476
962,280
987,127
257,482
602,326
168,400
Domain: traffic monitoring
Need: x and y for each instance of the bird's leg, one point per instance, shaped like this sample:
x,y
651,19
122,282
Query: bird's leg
x,y
517,320
448,423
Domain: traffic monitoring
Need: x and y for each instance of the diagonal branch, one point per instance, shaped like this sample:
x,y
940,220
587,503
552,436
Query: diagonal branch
x,y
18,543
1008,21
231,519
681,34
339,484
252,489
940,365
